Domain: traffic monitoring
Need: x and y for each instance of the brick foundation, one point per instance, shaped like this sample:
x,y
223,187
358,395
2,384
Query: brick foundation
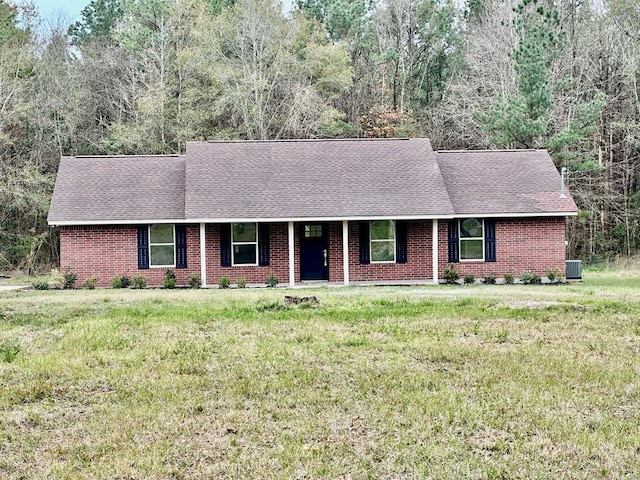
x,y
535,244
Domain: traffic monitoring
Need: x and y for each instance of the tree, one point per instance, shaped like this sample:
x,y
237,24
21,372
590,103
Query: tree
x,y
349,24
271,77
26,176
217,6
97,22
147,35
521,120
419,46
10,34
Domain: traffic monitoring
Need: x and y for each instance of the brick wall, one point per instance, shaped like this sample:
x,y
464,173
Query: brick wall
x,y
278,258
335,254
107,251
535,244
419,260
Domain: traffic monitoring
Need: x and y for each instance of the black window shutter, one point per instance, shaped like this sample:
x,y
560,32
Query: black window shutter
x,y
490,240
364,242
401,242
454,246
143,247
263,244
225,245
181,246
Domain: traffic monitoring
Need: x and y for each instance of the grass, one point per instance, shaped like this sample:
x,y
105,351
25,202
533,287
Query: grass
x,y
487,382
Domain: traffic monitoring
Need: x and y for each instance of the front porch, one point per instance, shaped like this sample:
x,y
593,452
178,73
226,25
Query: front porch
x,y
334,252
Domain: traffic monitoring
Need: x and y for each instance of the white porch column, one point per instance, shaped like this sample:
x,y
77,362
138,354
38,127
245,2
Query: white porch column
x,y
292,252
345,251
434,250
203,256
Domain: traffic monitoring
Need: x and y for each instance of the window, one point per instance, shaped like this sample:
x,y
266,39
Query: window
x,y
244,239
471,239
313,231
383,241
162,245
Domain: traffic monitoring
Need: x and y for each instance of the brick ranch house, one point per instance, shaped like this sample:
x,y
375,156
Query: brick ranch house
x,y
347,211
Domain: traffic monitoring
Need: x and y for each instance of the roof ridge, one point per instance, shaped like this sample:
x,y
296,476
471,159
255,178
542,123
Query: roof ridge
x,y
316,140
127,156
500,150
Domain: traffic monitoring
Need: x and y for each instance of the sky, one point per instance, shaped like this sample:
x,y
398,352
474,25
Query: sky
x,y
69,9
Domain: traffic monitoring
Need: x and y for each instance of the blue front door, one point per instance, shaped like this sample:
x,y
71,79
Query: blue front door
x,y
314,252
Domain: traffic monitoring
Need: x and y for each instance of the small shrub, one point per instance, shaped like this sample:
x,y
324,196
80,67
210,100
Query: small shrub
x,y
120,281
40,285
508,279
56,276
469,279
9,352
272,280
224,282
194,280
56,279
489,279
242,282
69,278
170,280
450,275
90,283
526,277
530,278
554,275
138,282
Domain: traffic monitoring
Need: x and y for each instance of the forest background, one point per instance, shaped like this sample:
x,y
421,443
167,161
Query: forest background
x,y
146,76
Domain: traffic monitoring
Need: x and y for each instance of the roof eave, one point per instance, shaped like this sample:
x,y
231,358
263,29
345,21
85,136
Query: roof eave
x,y
70,223
572,213
353,218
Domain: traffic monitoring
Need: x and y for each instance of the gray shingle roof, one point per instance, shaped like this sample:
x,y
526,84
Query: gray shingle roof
x,y
118,189
298,179
314,178
503,182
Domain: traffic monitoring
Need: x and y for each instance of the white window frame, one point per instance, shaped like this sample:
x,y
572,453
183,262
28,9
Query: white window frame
x,y
460,239
234,243
165,243
372,241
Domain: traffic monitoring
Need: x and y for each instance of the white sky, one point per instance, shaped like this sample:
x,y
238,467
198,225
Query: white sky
x,y
67,9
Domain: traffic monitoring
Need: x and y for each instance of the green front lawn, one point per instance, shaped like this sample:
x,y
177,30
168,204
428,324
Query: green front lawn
x,y
486,382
